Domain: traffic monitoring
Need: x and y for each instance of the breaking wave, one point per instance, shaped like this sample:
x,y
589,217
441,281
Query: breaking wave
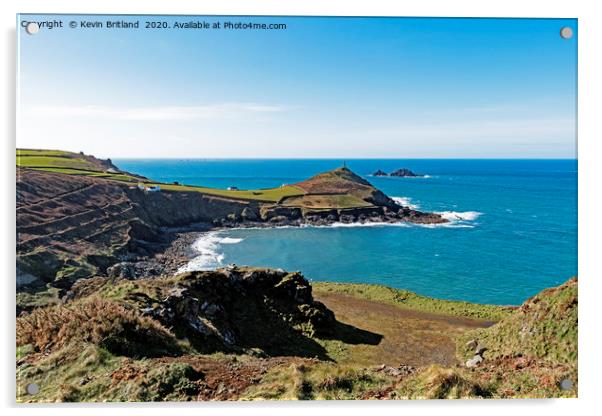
x,y
460,216
405,201
208,257
456,219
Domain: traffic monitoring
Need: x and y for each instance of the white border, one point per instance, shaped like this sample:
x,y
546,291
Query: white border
x,y
590,73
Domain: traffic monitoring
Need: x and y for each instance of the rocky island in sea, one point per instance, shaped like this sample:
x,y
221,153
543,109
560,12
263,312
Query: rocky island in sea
x,y
402,173
103,314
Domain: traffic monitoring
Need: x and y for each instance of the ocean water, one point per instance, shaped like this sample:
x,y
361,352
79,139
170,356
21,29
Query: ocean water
x,y
513,230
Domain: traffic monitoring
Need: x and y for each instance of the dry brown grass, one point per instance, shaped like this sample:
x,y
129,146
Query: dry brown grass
x,y
101,322
436,382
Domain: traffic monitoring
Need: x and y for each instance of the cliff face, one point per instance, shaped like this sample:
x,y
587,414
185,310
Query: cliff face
x,y
72,226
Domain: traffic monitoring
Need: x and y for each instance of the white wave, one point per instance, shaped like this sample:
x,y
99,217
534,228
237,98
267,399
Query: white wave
x,y
230,240
209,257
460,216
405,201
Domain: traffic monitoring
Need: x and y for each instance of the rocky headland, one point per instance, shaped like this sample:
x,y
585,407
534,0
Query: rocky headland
x,y
81,219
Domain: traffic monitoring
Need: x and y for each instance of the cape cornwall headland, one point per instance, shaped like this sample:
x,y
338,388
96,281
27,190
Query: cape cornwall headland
x,y
78,215
104,315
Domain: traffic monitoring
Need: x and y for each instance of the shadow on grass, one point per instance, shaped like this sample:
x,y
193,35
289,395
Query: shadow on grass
x,y
350,334
258,327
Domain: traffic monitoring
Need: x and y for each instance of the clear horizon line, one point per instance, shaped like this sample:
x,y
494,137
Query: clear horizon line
x,y
337,158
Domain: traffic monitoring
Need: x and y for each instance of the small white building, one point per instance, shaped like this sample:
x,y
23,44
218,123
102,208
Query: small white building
x,y
155,188
233,188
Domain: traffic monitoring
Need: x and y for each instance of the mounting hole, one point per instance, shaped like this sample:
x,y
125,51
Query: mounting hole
x,y
32,388
566,32
32,28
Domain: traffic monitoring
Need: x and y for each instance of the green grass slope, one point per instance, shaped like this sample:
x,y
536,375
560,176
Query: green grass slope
x,y
544,327
410,300
59,161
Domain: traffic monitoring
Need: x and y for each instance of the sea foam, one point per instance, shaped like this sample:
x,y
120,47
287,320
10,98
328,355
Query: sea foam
x,y
460,216
208,257
405,201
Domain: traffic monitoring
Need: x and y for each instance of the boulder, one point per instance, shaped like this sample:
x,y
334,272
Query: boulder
x,y
480,349
123,270
474,361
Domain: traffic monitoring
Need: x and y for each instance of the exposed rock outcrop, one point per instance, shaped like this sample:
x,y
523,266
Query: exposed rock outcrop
x,y
230,309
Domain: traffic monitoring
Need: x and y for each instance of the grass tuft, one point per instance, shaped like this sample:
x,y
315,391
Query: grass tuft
x,y
105,323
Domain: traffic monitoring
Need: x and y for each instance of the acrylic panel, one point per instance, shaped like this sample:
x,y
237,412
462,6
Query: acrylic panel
x,y
283,208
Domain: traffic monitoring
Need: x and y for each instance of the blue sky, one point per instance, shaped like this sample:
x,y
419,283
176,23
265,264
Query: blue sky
x,y
324,87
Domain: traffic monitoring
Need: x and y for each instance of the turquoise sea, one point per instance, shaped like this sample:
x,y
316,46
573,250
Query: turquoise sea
x,y
513,230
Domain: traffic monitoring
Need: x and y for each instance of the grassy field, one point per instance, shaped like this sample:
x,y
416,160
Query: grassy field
x,y
41,152
264,195
54,162
58,161
83,172
410,300
326,201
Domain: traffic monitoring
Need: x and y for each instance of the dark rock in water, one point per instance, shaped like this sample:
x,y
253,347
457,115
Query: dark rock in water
x,y
404,173
380,173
